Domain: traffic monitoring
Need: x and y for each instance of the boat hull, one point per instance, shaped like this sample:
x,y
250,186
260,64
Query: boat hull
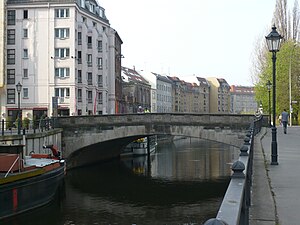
x,y
26,194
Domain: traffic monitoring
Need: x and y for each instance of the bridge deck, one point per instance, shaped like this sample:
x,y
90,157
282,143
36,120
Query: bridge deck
x,y
277,201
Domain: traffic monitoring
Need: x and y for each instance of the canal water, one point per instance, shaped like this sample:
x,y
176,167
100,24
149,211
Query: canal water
x,y
181,183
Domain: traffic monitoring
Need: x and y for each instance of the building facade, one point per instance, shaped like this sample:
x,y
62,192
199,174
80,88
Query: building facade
x,y
243,100
199,90
164,94
204,88
65,55
136,91
152,80
178,94
2,57
219,95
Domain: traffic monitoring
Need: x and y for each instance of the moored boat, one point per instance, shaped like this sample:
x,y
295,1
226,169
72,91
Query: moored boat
x,y
28,182
140,146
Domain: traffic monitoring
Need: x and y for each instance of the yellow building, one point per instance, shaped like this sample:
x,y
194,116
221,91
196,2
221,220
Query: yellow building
x,y
219,95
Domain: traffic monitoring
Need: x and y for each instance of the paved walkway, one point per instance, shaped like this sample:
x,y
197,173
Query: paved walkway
x,y
276,188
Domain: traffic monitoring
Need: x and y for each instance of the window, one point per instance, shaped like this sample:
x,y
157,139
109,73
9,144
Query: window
x,y
90,97
62,72
11,73
25,53
25,14
62,52
11,17
100,81
11,36
79,76
25,33
89,42
99,63
100,98
79,38
89,59
90,78
79,94
62,13
79,57
11,57
25,73
25,92
11,95
92,8
62,33
62,92
99,46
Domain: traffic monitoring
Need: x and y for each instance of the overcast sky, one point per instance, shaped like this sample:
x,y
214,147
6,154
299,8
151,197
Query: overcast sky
x,y
191,37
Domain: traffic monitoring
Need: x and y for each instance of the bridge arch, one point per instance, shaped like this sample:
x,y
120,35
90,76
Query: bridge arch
x,y
88,139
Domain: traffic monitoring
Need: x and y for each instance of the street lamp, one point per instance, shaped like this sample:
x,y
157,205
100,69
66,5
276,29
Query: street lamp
x,y
269,84
273,42
19,88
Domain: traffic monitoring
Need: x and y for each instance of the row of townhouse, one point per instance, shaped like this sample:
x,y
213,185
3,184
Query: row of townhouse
x,y
162,94
63,54
66,60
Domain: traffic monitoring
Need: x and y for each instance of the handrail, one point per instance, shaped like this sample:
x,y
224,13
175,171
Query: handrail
x,y
234,209
16,160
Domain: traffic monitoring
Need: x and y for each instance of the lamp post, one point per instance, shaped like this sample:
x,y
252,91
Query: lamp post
x,y
269,84
19,88
273,42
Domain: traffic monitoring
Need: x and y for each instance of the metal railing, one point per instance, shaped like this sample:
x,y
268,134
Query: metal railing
x,y
234,209
32,126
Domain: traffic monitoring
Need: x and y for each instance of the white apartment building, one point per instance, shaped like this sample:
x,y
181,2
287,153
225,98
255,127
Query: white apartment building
x,y
151,78
64,54
243,100
161,92
164,94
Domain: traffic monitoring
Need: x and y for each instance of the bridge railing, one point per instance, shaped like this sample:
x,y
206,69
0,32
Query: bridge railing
x,y
27,126
234,209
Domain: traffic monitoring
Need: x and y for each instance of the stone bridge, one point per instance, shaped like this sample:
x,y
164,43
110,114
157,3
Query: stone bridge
x,y
88,139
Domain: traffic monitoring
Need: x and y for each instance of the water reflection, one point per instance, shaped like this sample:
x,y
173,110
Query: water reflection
x,y
182,183
187,159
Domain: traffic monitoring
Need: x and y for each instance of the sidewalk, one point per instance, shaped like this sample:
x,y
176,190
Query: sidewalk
x,y
276,188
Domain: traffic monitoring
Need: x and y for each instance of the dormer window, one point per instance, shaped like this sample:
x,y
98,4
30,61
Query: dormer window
x,y
92,8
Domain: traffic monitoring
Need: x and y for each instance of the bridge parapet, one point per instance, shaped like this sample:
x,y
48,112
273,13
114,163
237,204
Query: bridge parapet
x,y
208,120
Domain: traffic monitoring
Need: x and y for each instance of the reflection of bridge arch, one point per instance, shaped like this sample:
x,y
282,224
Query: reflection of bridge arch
x,y
87,139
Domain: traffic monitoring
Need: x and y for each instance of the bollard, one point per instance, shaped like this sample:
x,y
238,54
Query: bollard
x,y
238,167
247,141
244,150
248,134
215,222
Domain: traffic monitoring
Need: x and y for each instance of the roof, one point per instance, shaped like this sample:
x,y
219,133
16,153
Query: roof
x,y
203,81
132,75
162,78
242,89
90,6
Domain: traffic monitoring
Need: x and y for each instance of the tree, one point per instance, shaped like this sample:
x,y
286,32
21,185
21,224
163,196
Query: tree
x,y
287,25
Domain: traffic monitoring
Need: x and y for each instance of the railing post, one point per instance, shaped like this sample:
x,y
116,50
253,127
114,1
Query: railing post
x,y
238,168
